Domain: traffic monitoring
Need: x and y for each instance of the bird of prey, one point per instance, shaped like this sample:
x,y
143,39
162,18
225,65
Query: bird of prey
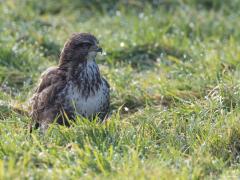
x,y
74,87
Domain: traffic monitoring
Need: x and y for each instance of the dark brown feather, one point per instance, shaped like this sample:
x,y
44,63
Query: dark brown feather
x,y
44,102
49,98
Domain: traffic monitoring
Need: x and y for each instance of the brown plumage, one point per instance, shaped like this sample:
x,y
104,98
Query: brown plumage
x,y
75,86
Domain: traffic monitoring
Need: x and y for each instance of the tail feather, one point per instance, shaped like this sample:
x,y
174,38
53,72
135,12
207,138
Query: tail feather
x,y
6,108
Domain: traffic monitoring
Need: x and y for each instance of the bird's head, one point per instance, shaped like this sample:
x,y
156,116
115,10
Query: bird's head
x,y
80,47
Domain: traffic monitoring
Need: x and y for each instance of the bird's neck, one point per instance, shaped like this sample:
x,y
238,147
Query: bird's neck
x,y
88,69
84,73
87,74
87,77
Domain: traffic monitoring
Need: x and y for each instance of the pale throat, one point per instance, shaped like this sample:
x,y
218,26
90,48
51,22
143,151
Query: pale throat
x,y
91,56
89,70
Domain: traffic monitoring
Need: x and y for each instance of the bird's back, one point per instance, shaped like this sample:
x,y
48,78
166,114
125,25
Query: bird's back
x,y
44,103
75,86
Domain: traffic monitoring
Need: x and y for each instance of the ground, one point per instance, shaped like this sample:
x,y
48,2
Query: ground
x,y
174,72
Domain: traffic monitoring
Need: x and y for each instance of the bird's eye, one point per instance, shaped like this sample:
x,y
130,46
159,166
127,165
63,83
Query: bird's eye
x,y
85,45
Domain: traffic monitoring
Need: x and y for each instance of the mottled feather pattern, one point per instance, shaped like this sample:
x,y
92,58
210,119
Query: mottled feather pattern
x,y
75,86
87,93
52,82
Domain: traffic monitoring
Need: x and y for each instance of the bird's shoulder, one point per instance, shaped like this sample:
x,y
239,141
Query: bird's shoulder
x,y
52,81
53,76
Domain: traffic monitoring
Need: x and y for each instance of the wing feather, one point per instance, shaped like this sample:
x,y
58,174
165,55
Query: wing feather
x,y
43,103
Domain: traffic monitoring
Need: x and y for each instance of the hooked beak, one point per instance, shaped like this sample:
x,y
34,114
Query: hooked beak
x,y
99,49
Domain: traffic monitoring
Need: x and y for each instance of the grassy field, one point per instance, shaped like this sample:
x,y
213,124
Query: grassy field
x,y
174,71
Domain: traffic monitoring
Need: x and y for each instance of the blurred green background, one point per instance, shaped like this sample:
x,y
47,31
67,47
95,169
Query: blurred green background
x,y
173,67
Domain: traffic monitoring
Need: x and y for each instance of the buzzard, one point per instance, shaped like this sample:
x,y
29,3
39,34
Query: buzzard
x,y
74,87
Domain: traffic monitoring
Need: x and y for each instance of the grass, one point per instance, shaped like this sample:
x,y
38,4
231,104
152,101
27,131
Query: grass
x,y
174,72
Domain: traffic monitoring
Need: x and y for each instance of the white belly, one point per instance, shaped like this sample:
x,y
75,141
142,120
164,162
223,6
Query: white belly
x,y
89,106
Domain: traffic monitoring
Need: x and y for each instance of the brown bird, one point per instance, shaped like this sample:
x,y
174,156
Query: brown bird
x,y
74,87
